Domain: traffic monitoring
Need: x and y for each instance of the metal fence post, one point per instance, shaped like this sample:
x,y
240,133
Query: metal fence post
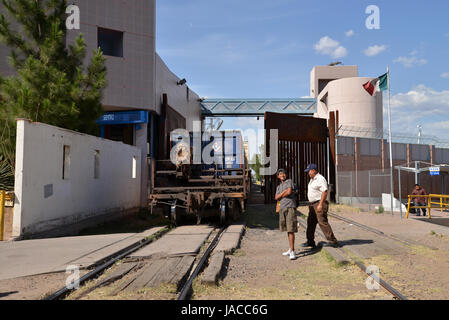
x,y
2,213
369,190
400,191
352,193
337,198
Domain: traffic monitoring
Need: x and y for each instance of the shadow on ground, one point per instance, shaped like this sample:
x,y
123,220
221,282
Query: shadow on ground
x,y
134,223
354,242
438,221
262,216
5,294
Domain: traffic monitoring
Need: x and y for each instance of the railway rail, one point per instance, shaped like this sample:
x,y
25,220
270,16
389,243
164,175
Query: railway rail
x,y
357,261
65,291
184,293
186,290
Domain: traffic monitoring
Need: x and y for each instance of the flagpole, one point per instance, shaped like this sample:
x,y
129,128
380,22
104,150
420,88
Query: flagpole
x,y
390,140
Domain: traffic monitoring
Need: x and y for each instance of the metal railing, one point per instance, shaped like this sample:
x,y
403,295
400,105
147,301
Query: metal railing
x,y
442,204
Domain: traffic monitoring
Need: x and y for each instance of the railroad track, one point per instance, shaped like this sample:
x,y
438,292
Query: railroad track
x,y
185,292
65,291
187,288
357,260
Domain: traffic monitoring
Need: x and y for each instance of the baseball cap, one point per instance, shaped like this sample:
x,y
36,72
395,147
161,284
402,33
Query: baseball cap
x,y
311,166
281,171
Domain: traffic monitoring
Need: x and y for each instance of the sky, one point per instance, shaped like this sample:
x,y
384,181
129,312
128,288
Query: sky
x,y
267,49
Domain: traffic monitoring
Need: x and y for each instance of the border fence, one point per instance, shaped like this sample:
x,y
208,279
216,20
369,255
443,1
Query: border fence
x,y
363,164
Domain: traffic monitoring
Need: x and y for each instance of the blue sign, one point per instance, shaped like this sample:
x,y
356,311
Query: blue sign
x,y
123,117
434,171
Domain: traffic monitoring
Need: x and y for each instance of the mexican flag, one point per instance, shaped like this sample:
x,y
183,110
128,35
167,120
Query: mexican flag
x,y
377,85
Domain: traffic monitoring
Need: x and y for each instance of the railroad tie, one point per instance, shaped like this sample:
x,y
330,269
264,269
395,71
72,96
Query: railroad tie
x,y
147,274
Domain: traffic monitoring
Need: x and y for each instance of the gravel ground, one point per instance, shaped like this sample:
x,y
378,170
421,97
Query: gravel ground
x,y
420,270
33,287
258,270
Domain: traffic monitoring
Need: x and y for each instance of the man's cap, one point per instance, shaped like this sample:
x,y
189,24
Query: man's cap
x,y
281,171
311,166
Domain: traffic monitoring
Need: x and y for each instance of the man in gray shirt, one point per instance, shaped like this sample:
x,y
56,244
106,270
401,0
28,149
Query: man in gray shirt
x,y
287,214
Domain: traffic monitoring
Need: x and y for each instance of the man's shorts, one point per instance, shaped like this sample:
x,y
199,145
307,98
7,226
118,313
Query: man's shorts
x,y
288,221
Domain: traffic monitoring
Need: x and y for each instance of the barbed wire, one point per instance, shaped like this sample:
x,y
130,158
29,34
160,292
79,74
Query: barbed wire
x,y
407,138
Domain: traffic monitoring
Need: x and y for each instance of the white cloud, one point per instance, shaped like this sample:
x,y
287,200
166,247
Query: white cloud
x,y
331,47
349,33
421,105
375,50
422,98
445,75
409,62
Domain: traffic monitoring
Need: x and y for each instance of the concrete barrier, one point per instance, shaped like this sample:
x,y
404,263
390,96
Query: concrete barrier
x,y
64,178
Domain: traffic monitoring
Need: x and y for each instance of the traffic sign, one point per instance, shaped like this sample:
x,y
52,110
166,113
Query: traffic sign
x,y
434,171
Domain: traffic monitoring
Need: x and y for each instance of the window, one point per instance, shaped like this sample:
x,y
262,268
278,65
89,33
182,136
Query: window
x,y
97,164
66,163
110,42
134,168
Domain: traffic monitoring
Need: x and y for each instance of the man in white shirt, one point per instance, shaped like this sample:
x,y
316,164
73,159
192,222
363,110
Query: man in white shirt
x,y
317,191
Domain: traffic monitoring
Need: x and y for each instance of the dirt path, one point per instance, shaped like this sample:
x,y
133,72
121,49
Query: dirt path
x,y
418,270
258,270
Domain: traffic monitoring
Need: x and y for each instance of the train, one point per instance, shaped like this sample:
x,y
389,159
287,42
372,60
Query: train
x,y
207,175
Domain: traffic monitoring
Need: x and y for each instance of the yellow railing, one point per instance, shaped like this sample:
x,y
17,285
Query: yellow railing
x,y
2,213
443,202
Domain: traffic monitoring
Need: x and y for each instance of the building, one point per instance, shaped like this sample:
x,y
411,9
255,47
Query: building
x,y
339,88
138,79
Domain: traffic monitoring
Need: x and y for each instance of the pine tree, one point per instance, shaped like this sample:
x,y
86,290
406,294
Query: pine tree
x,y
51,84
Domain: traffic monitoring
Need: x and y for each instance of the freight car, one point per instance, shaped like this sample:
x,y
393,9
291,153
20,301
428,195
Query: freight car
x,y
207,175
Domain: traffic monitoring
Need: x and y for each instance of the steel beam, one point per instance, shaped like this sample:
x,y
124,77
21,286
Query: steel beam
x,y
257,107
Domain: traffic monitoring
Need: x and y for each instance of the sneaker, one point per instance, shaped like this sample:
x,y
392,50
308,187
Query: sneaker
x,y
287,253
292,255
307,244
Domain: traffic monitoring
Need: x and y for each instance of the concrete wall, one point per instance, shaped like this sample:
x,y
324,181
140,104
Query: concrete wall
x,y
45,201
180,98
131,80
323,74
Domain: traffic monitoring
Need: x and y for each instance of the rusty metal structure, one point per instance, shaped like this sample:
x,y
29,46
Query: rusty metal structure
x,y
301,140
182,188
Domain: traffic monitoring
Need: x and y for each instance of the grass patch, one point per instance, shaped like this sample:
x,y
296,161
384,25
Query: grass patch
x,y
331,259
333,207
317,281
433,233
239,253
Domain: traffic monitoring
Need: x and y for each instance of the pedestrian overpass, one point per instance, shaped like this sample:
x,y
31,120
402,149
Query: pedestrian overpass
x,y
257,107
302,139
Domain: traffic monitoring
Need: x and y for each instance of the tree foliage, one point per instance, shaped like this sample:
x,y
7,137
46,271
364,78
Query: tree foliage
x,y
51,84
255,165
